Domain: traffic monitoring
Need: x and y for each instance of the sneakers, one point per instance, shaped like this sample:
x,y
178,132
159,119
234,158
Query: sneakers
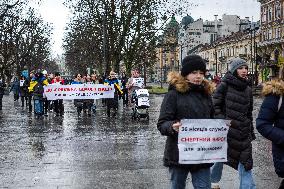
x,y
215,186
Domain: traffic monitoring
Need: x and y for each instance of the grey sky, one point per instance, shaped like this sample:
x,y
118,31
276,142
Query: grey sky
x,y
53,11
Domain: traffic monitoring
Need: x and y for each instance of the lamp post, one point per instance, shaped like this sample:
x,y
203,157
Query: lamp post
x,y
253,53
216,61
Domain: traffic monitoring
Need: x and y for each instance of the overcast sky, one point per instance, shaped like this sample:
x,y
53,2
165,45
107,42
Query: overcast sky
x,y
53,11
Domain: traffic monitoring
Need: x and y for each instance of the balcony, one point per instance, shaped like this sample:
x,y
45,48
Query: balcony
x,y
270,42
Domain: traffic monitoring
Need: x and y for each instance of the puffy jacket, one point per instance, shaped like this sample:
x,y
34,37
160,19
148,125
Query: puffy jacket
x,y
183,101
270,122
233,101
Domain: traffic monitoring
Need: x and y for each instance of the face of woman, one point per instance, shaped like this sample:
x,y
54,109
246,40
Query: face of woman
x,y
242,72
195,77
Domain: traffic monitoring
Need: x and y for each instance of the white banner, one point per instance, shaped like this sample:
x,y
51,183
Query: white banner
x,y
78,91
138,82
202,141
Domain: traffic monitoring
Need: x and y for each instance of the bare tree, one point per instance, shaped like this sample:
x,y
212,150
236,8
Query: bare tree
x,y
108,32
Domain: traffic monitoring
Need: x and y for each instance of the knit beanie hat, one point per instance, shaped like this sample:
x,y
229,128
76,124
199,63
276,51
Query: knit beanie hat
x,y
235,63
192,63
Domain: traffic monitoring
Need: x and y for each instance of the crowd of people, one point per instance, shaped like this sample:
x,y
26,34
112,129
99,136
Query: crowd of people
x,y
30,91
192,95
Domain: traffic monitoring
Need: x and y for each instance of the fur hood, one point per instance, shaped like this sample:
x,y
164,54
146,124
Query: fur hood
x,y
176,80
273,87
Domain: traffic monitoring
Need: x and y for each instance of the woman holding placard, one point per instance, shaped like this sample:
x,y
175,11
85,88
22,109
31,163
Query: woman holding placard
x,y
189,97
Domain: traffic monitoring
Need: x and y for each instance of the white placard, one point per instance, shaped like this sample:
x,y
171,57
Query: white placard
x,y
78,91
22,82
202,141
138,82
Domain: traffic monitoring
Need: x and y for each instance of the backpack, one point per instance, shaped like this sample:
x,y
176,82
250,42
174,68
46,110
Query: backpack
x,y
38,89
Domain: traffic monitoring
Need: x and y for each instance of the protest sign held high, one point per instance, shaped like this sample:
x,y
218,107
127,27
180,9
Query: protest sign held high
x,y
78,91
138,82
202,141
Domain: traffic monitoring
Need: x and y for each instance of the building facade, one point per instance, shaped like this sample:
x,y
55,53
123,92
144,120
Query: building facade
x,y
240,44
167,52
271,45
194,33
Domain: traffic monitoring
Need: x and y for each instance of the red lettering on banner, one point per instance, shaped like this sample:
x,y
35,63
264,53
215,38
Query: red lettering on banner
x,y
48,91
196,139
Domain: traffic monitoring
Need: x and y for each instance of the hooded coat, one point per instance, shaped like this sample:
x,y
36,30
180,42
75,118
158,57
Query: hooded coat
x,y
183,101
233,101
270,122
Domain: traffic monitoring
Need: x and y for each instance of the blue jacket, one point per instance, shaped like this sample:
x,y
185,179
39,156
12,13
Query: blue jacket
x,y
270,122
15,87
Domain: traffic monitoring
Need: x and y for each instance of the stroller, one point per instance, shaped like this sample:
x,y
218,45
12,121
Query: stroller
x,y
140,100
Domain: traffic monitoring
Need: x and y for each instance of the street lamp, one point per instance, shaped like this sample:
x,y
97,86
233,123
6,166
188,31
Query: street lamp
x,y
253,53
216,61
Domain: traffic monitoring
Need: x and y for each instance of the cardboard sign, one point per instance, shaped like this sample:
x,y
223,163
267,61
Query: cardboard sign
x,y
202,141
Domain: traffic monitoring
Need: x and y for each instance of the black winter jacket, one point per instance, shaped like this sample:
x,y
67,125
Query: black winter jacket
x,y
2,89
270,122
233,101
183,101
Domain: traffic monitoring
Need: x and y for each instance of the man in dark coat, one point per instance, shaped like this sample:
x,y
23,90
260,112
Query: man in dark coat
x,y
189,97
233,101
2,90
270,121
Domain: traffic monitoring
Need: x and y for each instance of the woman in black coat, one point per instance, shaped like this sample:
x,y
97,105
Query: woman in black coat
x,y
270,121
189,97
233,101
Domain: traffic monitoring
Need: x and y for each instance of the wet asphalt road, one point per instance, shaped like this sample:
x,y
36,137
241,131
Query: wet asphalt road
x,y
98,152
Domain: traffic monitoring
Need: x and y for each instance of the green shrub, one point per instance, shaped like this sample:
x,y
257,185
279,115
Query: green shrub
x,y
158,90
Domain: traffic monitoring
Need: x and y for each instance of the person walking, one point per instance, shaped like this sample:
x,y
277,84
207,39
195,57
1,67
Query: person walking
x,y
58,103
36,85
15,87
2,91
88,103
112,103
233,101
270,121
23,91
132,86
124,88
189,97
78,102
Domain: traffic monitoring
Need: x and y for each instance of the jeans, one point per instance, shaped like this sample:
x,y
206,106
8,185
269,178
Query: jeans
x,y
200,179
38,106
245,177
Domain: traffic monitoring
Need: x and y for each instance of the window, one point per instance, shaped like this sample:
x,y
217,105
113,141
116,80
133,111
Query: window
x,y
278,35
264,14
270,34
269,14
264,36
277,11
